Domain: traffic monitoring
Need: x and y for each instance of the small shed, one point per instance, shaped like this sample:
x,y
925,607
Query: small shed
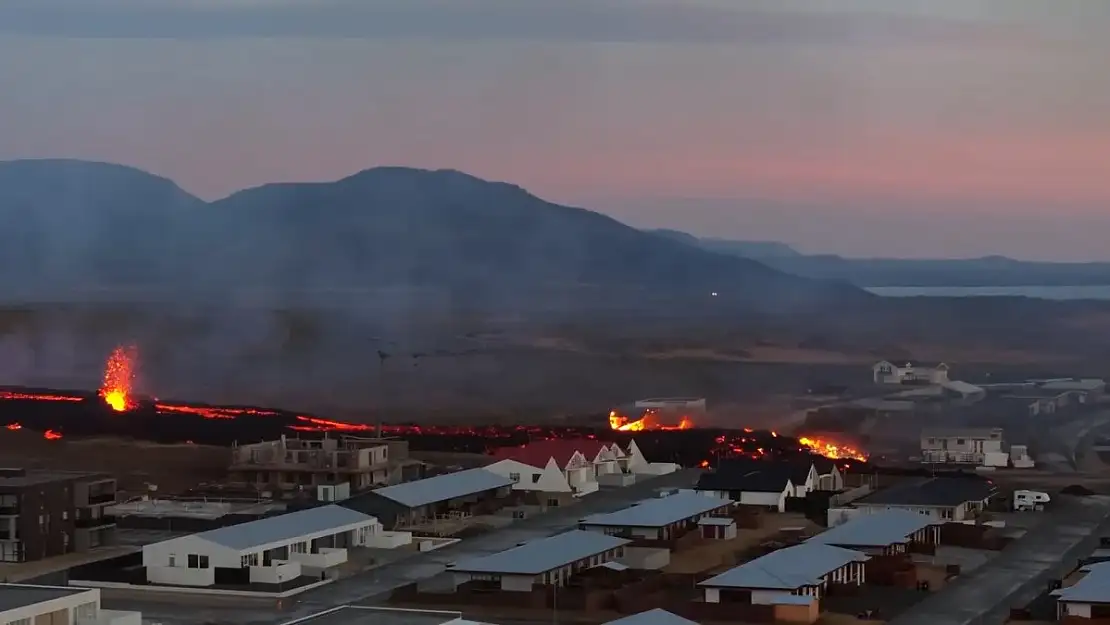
x,y
718,528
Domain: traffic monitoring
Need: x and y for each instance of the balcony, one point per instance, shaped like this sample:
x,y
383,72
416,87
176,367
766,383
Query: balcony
x,y
96,499
9,510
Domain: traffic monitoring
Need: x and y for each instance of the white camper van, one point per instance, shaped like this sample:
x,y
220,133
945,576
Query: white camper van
x,y
1030,500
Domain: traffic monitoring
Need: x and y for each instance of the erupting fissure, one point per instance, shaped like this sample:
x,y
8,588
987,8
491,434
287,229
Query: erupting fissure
x,y
119,375
648,421
832,450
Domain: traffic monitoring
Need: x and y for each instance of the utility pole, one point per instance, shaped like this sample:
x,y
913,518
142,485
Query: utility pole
x,y
382,357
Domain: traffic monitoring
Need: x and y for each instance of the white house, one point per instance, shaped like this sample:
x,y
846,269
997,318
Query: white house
x,y
547,479
273,550
804,570
552,560
25,604
580,461
909,372
761,483
1088,598
941,499
964,446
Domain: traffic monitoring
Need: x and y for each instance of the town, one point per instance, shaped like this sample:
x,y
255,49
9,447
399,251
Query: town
x,y
339,527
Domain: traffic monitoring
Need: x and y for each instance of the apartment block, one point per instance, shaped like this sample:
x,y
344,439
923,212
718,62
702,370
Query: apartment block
x,y
295,463
51,513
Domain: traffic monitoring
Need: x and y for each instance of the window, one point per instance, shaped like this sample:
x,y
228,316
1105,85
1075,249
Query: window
x,y
515,477
22,621
959,441
85,611
204,562
535,478
194,561
173,560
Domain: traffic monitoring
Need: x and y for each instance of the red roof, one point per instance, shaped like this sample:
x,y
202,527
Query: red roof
x,y
537,453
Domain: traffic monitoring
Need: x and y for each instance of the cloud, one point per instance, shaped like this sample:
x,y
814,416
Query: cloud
x,y
561,21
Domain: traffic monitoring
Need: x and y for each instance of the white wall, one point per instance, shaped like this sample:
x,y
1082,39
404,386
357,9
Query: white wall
x,y
958,513
770,500
280,571
70,602
646,558
517,583
179,549
1081,610
180,576
548,479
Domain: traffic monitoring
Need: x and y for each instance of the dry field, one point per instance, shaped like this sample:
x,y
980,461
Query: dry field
x,y
172,468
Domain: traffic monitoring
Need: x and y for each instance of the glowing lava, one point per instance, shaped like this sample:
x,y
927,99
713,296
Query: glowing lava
x,y
119,375
829,449
51,435
649,421
6,395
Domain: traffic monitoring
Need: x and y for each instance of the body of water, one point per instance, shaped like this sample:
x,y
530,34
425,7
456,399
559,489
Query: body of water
x,y
1041,292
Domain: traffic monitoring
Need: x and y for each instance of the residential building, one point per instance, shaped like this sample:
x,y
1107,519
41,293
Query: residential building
x,y
658,616
717,528
941,499
189,515
424,501
804,570
51,513
829,475
290,464
889,532
764,484
660,518
982,447
1087,600
1091,388
580,461
900,371
271,552
25,604
542,479
550,561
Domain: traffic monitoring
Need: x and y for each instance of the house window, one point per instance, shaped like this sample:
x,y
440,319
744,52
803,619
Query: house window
x,y
946,513
515,477
21,621
173,560
194,561
959,441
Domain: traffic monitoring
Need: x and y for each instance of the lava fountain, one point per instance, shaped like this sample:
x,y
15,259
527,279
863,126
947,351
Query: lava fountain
x,y
119,375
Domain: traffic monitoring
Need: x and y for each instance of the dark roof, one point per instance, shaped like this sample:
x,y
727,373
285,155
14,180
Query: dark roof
x,y
756,476
936,491
796,468
15,596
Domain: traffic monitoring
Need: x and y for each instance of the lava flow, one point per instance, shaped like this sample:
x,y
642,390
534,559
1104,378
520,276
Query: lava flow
x,y
119,375
8,395
832,450
649,421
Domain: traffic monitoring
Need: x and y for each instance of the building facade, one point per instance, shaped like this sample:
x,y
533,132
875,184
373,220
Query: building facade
x,y
909,372
51,513
964,446
293,463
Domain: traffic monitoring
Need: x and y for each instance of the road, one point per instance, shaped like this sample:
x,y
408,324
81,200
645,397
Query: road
x,y
1021,572
372,586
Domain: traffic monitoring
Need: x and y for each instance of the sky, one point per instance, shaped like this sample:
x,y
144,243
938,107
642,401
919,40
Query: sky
x,y
931,128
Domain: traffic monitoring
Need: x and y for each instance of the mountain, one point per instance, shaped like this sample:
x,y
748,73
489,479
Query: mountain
x,y
381,233
757,250
986,271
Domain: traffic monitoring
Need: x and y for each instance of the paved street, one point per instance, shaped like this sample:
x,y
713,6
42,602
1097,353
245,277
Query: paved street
x,y
1021,572
371,587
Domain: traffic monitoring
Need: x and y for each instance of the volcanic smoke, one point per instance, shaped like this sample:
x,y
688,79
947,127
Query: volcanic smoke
x,y
119,376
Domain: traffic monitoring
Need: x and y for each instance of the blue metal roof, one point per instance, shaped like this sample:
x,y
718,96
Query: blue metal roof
x,y
659,511
787,569
443,487
874,530
541,556
1094,587
658,616
284,527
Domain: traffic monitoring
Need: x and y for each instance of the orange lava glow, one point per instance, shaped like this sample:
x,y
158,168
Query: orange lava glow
x,y
649,421
119,375
5,395
832,450
14,426
213,413
51,435
315,424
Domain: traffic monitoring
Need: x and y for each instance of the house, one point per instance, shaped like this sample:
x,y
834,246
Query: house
x,y
804,570
542,479
661,518
941,499
1088,598
51,513
762,483
580,461
963,391
964,446
1090,388
550,561
294,464
717,528
829,475
270,552
889,532
900,371
423,501
658,616
24,604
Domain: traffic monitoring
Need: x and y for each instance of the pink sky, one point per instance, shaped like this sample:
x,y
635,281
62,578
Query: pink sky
x,y
980,125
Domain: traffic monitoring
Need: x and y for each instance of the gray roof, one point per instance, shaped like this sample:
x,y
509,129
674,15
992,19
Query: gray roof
x,y
715,520
1094,587
367,615
659,511
443,487
541,556
283,527
658,616
787,569
15,596
880,529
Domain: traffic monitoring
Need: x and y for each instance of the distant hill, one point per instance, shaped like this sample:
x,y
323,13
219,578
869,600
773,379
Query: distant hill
x,y
403,232
879,272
